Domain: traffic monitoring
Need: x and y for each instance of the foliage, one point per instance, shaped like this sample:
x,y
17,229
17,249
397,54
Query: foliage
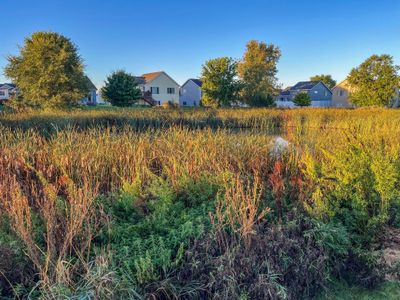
x,y
219,83
326,79
302,99
121,89
48,71
374,82
257,71
298,271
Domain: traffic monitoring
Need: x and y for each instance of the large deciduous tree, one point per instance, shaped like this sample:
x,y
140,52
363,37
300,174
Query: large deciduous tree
x,y
48,71
121,89
219,83
374,82
327,79
257,71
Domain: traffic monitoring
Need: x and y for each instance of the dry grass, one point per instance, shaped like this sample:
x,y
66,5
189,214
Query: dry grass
x,y
49,182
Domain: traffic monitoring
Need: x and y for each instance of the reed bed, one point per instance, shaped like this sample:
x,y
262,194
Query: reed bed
x,y
134,199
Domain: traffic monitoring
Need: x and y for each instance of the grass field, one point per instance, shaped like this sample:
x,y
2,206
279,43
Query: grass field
x,y
198,203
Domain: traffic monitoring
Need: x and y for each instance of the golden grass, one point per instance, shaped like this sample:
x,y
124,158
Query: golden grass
x,y
58,176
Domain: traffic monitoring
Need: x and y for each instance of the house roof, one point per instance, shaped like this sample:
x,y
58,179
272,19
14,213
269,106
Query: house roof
x,y
7,86
198,82
90,84
149,77
304,85
140,80
285,92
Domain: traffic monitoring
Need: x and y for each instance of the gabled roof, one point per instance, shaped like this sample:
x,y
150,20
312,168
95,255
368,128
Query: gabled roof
x,y
197,82
7,86
140,80
149,77
304,85
285,93
90,84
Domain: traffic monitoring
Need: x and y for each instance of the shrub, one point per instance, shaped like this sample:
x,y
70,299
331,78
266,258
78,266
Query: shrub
x,y
298,271
302,99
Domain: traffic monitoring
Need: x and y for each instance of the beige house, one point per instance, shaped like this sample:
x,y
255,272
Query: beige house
x,y
340,95
158,88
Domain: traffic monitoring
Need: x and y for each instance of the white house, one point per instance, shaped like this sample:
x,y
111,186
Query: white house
x,y
190,93
7,90
158,88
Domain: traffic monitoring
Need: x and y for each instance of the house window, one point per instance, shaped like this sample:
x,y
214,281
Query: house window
x,y
326,94
155,90
170,90
194,103
341,93
2,93
184,103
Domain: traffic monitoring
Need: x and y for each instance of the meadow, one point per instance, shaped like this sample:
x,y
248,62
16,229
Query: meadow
x,y
198,203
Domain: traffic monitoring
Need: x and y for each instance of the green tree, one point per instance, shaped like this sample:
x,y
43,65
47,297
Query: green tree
x,y
48,71
374,82
302,99
121,89
327,79
220,85
257,71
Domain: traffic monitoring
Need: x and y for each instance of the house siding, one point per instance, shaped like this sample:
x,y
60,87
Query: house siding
x,y
320,93
190,94
340,97
320,96
4,94
163,82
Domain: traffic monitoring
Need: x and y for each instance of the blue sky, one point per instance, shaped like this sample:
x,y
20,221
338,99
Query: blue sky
x,y
330,36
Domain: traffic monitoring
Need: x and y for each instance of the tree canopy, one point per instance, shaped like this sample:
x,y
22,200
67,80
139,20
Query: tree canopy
x,y
302,99
374,82
219,83
121,89
48,71
257,71
327,79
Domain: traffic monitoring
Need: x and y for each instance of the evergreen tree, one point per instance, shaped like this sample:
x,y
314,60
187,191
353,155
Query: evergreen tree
x,y
302,99
121,89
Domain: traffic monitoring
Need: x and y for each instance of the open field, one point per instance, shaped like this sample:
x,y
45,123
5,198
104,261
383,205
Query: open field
x,y
198,203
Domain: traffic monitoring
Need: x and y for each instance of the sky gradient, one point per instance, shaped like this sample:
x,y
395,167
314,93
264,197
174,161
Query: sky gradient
x,y
315,37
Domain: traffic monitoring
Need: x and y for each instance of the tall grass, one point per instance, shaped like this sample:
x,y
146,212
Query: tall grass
x,y
125,194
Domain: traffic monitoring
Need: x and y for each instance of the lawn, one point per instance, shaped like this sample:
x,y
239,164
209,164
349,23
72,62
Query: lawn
x,y
152,203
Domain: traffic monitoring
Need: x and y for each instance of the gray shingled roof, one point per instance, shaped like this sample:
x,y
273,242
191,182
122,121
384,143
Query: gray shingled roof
x,y
285,93
304,85
140,79
197,81
13,86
